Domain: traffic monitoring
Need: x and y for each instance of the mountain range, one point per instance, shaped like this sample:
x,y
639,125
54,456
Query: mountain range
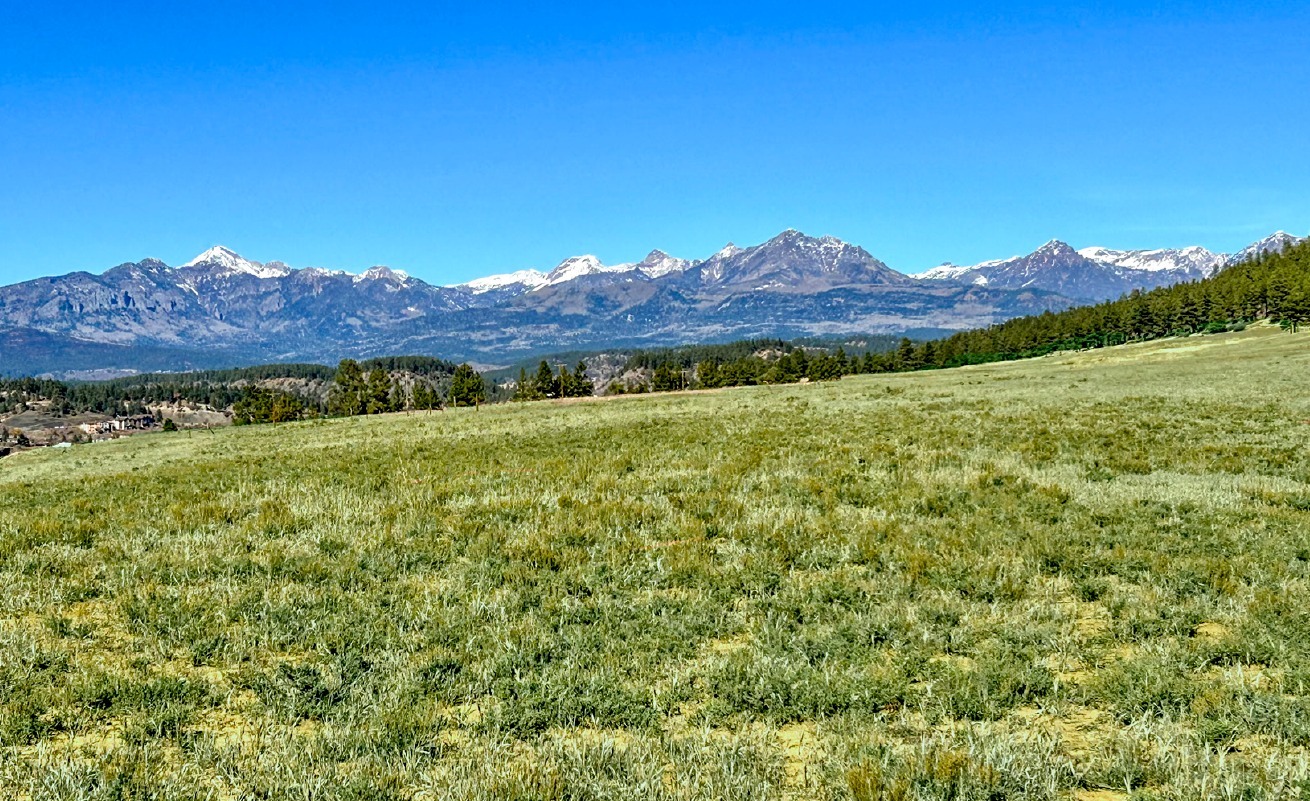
x,y
221,309
1098,273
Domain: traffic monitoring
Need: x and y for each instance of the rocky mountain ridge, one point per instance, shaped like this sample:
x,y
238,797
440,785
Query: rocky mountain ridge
x,y
1099,273
222,309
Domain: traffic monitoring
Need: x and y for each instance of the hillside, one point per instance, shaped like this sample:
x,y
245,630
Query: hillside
x,y
1059,578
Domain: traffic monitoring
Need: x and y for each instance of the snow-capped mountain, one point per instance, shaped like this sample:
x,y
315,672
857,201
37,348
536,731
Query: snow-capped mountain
x,y
794,262
658,264
1187,263
1101,273
528,279
386,275
976,274
225,260
222,308
220,301
578,266
1055,267
1276,242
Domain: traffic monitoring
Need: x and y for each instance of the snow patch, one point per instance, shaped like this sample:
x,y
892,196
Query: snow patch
x,y
1192,260
229,261
578,266
658,264
382,273
525,278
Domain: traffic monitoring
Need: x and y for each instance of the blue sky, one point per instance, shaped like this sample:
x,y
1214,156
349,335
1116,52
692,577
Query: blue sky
x,y
453,141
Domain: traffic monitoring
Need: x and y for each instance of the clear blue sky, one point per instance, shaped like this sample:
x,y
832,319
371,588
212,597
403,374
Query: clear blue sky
x,y
453,140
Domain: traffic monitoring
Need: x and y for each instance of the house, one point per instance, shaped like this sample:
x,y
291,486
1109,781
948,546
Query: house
x,y
141,422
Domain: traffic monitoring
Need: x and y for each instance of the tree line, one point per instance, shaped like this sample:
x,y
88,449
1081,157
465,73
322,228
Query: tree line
x,y
762,367
377,386
1272,287
692,356
371,386
547,383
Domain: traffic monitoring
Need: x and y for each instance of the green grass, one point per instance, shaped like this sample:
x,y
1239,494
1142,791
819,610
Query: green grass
x,y
1079,577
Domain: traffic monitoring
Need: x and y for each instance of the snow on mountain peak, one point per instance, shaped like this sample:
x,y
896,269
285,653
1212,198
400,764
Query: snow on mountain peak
x,y
1193,260
1054,246
658,263
578,266
229,261
1278,239
1276,242
792,237
382,273
530,279
943,272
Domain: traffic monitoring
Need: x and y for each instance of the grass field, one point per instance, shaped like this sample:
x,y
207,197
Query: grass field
x,y
1080,577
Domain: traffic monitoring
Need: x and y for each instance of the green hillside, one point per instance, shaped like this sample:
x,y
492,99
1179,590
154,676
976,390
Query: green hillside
x,y
1074,577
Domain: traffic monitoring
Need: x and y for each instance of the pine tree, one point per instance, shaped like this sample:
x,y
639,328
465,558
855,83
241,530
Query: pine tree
x,y
665,379
1295,310
582,386
524,390
378,392
467,387
708,375
286,407
564,382
347,396
907,358
544,383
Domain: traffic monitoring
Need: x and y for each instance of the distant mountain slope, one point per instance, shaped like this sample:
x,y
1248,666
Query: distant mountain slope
x,y
1273,285
26,351
1277,242
1183,264
1055,267
223,309
1099,273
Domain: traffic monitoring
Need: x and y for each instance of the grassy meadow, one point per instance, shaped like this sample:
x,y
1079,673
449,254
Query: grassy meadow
x,y
1085,576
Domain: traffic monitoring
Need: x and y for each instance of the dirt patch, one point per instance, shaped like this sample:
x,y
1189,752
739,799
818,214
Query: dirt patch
x,y
1091,626
799,743
962,663
1079,729
728,646
1073,677
470,714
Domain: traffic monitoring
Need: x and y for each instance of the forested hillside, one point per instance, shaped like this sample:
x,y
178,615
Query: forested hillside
x,y
1270,287
220,389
